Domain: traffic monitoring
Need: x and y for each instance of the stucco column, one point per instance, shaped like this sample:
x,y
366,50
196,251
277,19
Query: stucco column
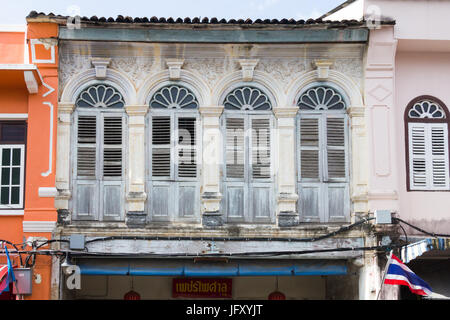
x,y
359,162
285,167
63,162
136,195
211,165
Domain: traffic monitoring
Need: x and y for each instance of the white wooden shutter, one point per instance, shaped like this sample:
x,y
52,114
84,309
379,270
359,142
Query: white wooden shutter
x,y
87,167
161,146
187,147
235,148
336,167
112,146
260,148
439,155
111,183
87,146
310,148
428,156
259,180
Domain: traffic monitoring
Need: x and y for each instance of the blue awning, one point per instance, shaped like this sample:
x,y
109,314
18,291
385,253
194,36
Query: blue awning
x,y
420,246
234,268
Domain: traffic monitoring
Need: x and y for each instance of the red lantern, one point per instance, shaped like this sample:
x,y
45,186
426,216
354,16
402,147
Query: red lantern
x,y
132,295
277,295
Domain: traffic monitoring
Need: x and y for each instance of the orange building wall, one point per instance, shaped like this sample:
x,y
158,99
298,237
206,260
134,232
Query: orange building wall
x,y
12,47
15,98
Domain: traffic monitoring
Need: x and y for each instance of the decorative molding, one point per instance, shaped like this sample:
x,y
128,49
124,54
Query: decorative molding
x,y
210,69
100,66
282,70
136,110
248,67
50,146
323,67
285,112
11,213
215,111
33,43
13,116
31,82
48,192
174,68
39,226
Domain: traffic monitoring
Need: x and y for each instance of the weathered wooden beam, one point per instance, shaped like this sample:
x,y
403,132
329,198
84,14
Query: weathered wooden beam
x,y
200,247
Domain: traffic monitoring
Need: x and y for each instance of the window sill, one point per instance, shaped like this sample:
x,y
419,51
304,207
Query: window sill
x,y
11,212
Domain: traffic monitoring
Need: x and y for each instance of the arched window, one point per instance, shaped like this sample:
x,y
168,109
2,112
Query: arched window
x,y
426,124
174,154
248,179
323,154
100,148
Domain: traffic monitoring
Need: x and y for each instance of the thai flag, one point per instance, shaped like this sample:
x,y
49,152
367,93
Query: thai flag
x,y
399,274
6,274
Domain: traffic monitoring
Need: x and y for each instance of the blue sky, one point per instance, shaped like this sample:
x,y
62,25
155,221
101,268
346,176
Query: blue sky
x,y
14,12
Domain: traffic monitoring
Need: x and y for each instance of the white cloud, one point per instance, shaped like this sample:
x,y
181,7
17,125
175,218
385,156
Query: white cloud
x,y
314,15
263,4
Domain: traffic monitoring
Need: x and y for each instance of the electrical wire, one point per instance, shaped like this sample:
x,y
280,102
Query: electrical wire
x,y
421,230
15,247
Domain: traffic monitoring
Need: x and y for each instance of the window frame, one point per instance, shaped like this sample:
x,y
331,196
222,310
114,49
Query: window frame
x,y
407,120
324,183
98,211
248,183
5,209
174,183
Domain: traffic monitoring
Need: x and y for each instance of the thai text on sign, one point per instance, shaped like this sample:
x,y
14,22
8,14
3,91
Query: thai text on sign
x,y
202,288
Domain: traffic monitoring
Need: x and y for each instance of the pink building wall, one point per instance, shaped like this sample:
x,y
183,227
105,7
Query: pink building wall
x,y
418,65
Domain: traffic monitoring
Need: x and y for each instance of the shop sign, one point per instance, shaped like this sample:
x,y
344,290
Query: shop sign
x,y
201,288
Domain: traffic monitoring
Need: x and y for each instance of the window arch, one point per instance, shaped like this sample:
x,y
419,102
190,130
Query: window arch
x,y
427,155
100,148
174,135
322,154
247,124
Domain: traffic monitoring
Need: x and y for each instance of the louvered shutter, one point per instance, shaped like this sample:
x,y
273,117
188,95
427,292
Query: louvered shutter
x,y
439,155
112,146
335,168
235,148
87,175
418,155
161,147
111,183
260,169
428,156
86,146
260,148
336,206
323,184
310,148
187,147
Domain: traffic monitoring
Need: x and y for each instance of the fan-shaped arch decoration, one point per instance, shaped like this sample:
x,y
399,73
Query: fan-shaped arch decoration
x,y
321,98
100,96
174,97
247,98
426,109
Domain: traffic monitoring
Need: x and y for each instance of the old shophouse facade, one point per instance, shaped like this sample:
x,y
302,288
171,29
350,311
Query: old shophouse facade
x,y
221,149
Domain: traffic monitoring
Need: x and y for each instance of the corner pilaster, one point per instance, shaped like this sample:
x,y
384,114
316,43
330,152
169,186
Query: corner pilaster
x,y
63,161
